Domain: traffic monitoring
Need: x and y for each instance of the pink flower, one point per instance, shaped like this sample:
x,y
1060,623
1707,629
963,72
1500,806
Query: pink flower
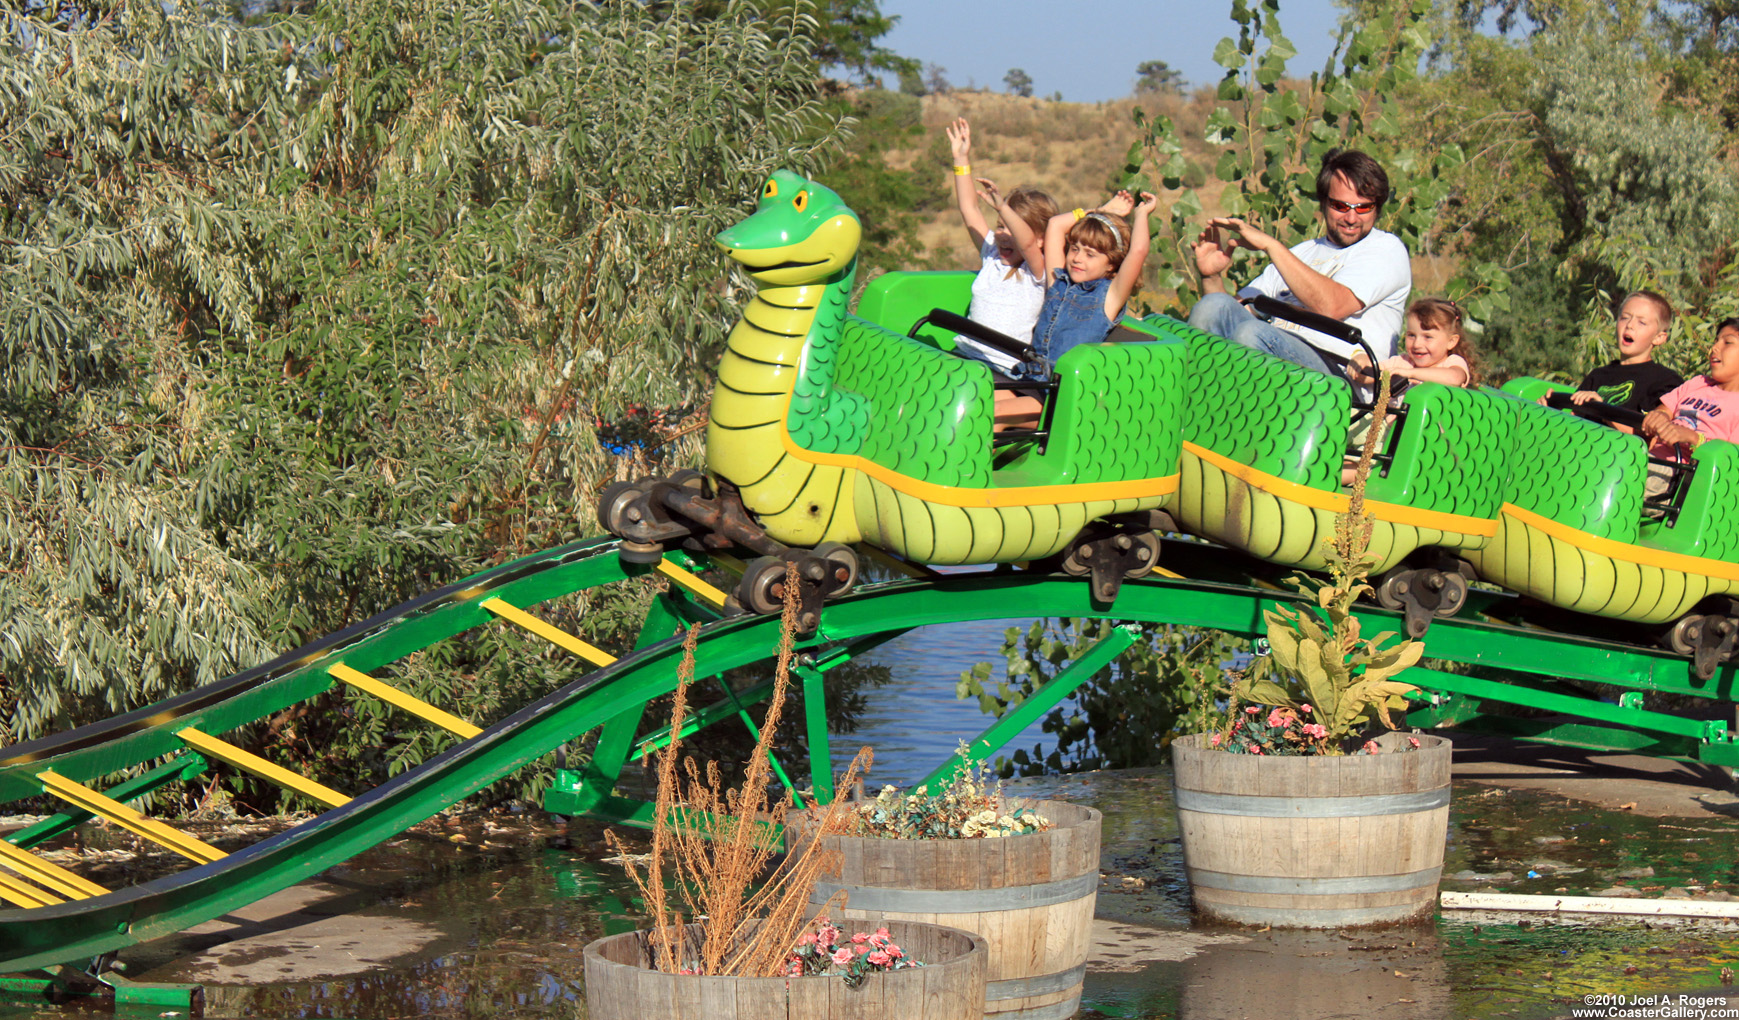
x,y
879,958
806,939
880,938
860,938
860,950
1305,709
1252,710
828,934
794,969
1214,741
1372,748
1412,741
1255,750
894,951
1315,731
1277,718
686,970
842,956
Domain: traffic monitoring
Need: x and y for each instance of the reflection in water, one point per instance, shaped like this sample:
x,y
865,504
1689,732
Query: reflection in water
x,y
916,722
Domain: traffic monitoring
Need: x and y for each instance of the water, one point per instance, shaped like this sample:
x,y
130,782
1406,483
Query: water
x,y
916,722
504,915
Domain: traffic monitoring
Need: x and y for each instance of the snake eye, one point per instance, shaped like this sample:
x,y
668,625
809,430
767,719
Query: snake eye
x,y
771,190
800,201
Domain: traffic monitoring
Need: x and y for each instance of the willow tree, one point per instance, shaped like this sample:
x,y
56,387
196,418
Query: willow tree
x,y
302,314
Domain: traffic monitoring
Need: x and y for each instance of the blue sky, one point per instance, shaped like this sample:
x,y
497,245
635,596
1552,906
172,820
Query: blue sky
x,y
1088,50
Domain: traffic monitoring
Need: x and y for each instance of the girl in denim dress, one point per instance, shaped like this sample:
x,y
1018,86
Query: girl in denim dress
x,y
1093,261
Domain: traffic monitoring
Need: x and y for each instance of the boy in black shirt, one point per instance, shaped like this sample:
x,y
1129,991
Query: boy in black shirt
x,y
1635,380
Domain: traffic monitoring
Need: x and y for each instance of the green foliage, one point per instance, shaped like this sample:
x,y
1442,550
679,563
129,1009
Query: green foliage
x,y
889,202
1157,76
1166,683
1272,135
305,315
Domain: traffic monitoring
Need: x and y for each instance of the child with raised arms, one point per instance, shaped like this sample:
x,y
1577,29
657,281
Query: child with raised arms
x,y
1093,261
1010,287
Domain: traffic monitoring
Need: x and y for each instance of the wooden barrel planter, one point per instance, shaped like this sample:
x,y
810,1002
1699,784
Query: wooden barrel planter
x,y
1313,842
621,984
1030,896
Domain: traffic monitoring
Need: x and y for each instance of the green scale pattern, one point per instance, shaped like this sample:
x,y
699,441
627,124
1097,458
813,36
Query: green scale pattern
x,y
1576,472
1275,416
899,403
813,395
1709,524
1118,406
1453,452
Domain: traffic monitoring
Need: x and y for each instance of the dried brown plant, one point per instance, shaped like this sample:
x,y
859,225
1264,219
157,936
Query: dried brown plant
x,y
716,843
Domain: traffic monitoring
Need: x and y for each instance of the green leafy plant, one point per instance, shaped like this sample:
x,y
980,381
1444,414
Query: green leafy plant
x,y
307,312
1319,667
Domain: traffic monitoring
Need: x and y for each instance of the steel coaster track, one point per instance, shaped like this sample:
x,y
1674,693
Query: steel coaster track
x,y
73,921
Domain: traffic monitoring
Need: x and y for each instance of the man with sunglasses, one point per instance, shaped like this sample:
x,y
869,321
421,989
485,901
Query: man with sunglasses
x,y
1353,272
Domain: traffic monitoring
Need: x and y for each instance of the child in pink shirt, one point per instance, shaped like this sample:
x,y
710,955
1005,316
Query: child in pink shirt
x,y
1705,408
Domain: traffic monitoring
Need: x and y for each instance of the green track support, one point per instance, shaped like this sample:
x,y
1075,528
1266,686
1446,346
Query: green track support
x,y
1588,708
815,726
578,792
755,732
614,698
1035,706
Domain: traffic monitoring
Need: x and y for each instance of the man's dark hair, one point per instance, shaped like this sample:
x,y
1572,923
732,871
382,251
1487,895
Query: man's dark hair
x,y
1361,171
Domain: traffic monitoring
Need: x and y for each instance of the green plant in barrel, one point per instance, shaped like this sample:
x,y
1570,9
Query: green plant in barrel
x,y
1322,682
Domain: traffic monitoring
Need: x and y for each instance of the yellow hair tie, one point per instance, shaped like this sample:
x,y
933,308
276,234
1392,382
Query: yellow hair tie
x,y
963,170
1080,214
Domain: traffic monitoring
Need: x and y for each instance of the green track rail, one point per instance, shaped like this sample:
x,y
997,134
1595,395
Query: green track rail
x,y
611,701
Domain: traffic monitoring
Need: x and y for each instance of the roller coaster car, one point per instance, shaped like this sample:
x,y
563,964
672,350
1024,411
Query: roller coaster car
x,y
829,429
1263,445
1576,531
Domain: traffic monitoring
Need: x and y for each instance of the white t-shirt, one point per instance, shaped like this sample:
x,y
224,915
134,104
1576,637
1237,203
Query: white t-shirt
x,y
1005,303
1376,270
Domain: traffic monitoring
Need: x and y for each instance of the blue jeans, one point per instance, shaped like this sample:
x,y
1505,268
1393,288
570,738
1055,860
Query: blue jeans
x,y
1223,315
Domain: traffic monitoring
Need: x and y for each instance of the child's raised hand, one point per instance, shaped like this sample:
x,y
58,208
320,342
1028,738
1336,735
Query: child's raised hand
x,y
1149,202
960,139
987,191
1121,204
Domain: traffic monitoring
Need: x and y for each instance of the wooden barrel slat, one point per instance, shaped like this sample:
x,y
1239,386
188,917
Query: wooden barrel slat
x,y
1030,896
621,985
1313,841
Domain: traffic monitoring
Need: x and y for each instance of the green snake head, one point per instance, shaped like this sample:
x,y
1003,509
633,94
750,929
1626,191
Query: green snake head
x,y
800,233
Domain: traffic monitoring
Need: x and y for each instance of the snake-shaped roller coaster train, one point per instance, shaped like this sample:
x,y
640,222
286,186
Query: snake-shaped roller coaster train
x,y
1174,478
